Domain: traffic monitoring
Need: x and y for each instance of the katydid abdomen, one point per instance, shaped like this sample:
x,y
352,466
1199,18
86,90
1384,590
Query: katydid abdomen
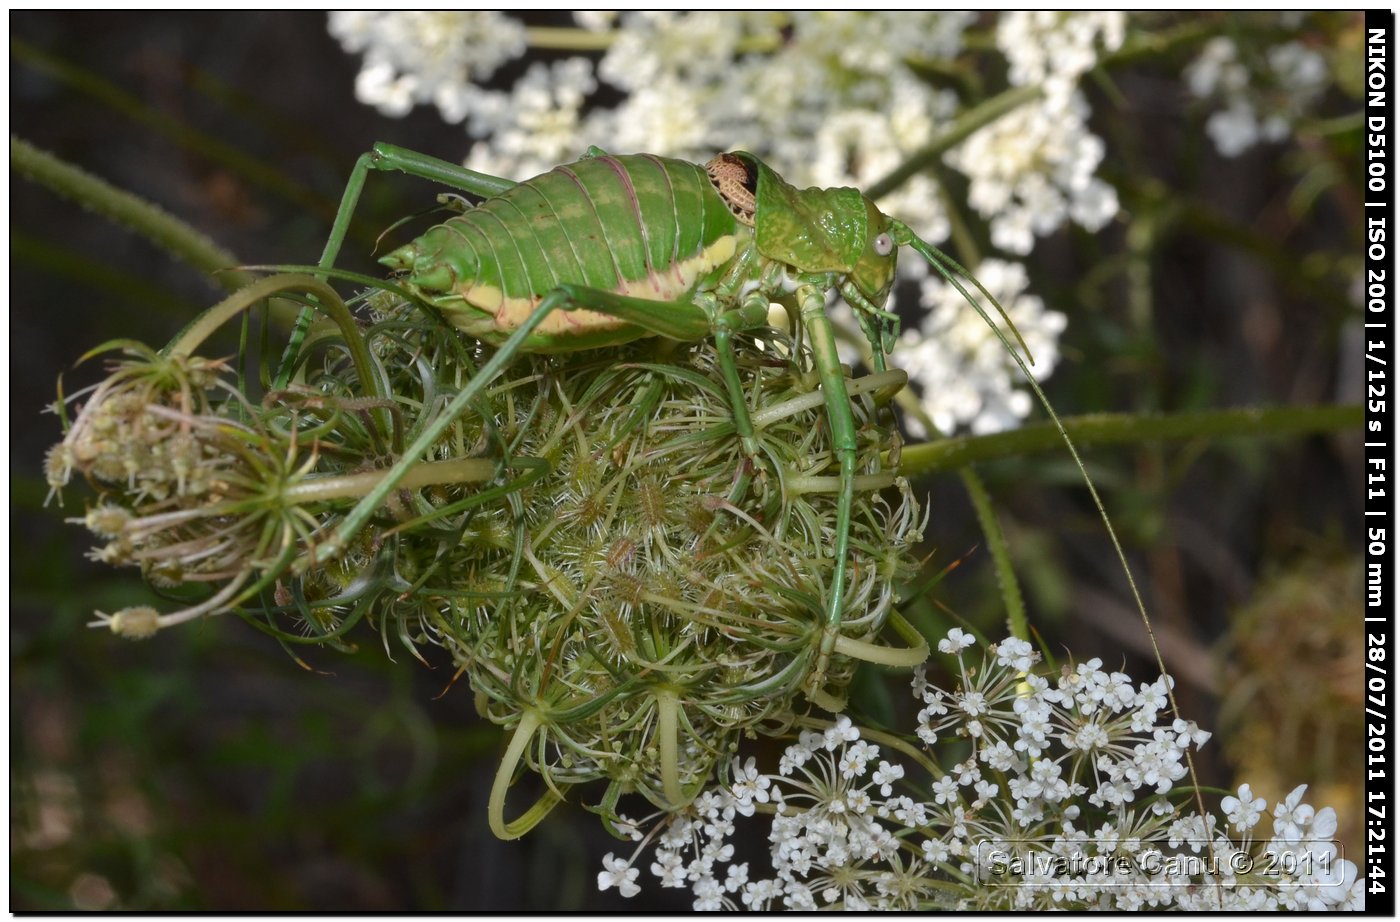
x,y
639,226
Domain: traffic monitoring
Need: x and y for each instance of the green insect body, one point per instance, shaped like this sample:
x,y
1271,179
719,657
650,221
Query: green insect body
x,y
644,227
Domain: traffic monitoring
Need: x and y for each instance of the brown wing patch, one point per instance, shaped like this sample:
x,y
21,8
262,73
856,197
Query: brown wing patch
x,y
736,184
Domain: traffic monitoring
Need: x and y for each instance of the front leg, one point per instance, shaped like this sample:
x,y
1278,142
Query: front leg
x,y
842,423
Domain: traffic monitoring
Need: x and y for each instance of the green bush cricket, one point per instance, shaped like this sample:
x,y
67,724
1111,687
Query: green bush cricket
x,y
610,249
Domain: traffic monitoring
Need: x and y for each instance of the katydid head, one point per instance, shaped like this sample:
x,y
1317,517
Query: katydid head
x,y
812,230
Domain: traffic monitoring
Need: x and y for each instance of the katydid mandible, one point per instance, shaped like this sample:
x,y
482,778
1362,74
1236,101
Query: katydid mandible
x,y
614,248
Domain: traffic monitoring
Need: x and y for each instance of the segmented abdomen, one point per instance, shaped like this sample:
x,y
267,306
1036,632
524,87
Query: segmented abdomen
x,y
640,225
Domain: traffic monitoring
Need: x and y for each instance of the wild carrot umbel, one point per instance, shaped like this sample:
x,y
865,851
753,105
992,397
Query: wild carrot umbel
x,y
622,584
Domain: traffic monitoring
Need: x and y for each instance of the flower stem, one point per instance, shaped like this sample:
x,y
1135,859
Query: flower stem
x,y
147,220
881,655
667,729
1001,556
496,807
963,126
457,470
1113,428
172,127
563,38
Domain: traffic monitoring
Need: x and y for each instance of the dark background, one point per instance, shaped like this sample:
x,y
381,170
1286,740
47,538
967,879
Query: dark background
x,y
204,769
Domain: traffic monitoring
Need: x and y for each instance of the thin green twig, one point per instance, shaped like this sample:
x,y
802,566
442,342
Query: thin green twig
x,y
1001,555
177,238
254,170
1114,428
963,126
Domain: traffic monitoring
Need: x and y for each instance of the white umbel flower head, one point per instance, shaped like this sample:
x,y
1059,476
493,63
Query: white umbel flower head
x,y
961,367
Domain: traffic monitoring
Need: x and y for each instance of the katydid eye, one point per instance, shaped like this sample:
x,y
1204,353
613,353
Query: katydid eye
x,y
884,245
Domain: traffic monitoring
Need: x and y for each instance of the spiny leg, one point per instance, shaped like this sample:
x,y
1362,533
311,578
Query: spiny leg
x,y
751,314
843,444
383,157
881,327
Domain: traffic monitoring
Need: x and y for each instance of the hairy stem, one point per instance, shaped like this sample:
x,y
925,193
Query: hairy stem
x,y
345,486
962,127
119,100
147,220
1001,556
1119,428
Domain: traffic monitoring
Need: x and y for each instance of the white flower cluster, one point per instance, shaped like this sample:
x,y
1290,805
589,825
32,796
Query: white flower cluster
x,y
1261,106
963,371
1067,799
414,57
1033,169
1055,49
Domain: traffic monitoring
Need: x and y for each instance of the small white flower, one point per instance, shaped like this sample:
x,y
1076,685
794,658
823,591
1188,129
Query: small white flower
x,y
935,851
1257,106
1244,811
842,731
1016,654
619,873
749,786
886,775
709,895
628,827
962,368
945,790
1032,169
669,868
956,641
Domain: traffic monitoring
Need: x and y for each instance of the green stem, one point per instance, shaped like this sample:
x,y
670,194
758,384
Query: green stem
x,y
203,326
169,233
667,733
567,38
1001,555
175,129
530,721
457,470
1142,44
563,38
961,128
797,484
882,655
1110,429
